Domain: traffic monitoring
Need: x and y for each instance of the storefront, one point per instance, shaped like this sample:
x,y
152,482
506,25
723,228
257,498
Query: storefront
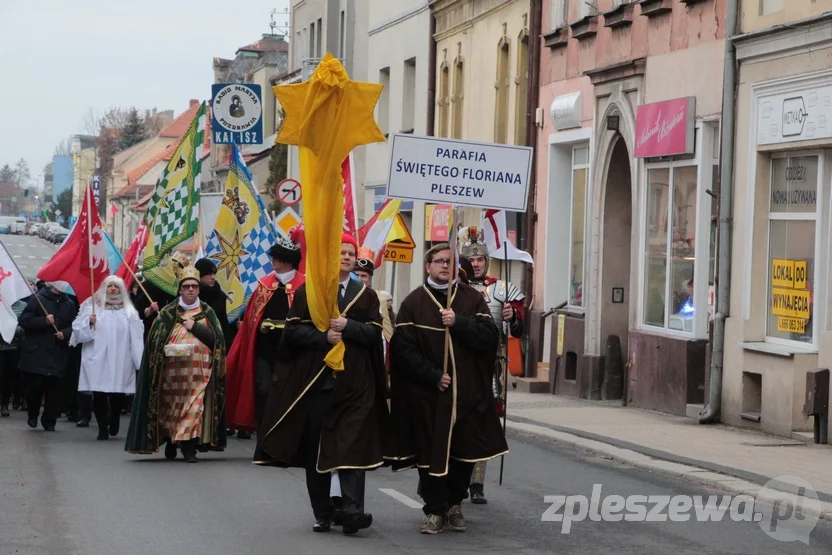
x,y
779,327
640,275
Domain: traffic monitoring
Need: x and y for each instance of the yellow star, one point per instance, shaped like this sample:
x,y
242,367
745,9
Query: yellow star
x,y
232,252
329,113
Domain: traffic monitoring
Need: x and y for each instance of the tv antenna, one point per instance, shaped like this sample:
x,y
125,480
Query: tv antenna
x,y
274,25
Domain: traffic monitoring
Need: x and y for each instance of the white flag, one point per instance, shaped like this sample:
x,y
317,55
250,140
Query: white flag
x,y
12,288
496,239
200,254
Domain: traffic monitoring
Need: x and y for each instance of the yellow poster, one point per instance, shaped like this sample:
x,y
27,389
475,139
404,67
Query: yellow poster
x,y
791,325
782,273
561,327
791,303
800,274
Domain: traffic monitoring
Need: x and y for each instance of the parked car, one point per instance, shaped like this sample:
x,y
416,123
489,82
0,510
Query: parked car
x,y
59,234
18,226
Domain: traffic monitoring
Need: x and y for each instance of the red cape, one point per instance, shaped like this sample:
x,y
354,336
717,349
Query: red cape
x,y
241,362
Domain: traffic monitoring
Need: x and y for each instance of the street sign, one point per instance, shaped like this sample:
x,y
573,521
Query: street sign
x,y
286,221
60,219
289,192
462,173
72,220
57,212
237,113
399,236
392,254
96,189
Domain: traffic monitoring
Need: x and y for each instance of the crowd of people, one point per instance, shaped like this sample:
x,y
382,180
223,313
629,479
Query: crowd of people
x,y
418,389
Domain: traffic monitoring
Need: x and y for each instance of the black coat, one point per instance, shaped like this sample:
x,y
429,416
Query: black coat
x,y
40,351
159,296
216,298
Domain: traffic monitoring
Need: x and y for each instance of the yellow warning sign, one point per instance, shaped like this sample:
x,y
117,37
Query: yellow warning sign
x,y
791,325
399,236
791,303
393,254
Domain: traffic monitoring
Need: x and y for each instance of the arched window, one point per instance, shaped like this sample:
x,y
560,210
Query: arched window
x,y
458,96
521,82
502,86
444,100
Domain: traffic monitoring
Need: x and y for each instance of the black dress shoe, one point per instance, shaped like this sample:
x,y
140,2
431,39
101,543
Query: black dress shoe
x,y
83,423
243,435
354,523
102,436
32,422
4,411
323,525
170,451
337,517
114,429
49,427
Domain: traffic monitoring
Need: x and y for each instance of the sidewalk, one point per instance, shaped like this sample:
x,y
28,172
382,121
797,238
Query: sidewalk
x,y
742,460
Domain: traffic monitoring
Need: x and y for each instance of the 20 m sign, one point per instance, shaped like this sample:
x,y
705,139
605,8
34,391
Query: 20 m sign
x,y
237,114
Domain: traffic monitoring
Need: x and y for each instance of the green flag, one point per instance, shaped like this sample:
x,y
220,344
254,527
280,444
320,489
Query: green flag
x,y
173,212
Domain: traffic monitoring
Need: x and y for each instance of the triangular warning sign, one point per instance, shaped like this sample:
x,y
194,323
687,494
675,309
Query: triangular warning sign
x,y
399,236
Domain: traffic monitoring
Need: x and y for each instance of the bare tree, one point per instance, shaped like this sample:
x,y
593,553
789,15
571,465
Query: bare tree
x,y
64,147
90,122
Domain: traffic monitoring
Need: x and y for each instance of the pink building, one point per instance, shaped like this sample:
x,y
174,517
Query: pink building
x,y
628,153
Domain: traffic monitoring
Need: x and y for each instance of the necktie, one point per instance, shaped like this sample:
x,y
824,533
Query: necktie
x,y
341,290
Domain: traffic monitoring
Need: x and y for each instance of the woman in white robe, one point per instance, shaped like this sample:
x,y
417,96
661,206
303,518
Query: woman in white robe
x,y
113,343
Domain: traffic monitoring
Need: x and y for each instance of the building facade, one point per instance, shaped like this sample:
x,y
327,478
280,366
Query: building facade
x,y
627,152
399,58
779,324
84,167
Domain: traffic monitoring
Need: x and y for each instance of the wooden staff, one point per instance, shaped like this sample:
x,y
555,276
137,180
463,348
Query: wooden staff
x,y
452,243
35,293
89,248
132,273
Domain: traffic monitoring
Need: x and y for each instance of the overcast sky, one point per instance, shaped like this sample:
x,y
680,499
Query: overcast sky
x,y
59,57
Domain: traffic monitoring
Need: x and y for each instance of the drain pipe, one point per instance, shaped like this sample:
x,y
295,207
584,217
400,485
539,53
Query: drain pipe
x,y
712,410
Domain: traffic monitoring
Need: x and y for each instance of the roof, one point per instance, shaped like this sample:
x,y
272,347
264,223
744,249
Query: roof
x,y
269,43
179,125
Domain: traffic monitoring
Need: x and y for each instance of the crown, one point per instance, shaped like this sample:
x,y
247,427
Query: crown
x,y
287,243
189,272
180,258
366,253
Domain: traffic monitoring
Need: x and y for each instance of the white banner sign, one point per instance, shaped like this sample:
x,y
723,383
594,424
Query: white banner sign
x,y
795,116
463,173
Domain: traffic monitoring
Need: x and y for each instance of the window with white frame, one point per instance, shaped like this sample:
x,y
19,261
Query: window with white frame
x,y
670,246
792,247
580,172
558,13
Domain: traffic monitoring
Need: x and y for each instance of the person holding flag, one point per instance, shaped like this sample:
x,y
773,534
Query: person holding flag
x,y
13,290
443,355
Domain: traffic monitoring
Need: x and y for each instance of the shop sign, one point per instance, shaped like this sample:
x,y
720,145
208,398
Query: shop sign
x,y
666,128
567,111
794,184
791,301
437,217
795,116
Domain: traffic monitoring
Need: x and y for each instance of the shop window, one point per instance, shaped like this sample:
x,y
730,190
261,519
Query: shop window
x,y
670,248
580,170
791,254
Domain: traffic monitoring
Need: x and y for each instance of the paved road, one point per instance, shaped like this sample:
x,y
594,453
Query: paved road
x,y
66,493
29,252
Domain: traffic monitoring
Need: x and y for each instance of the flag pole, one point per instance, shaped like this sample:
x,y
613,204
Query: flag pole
x,y
506,331
451,279
135,278
34,293
89,247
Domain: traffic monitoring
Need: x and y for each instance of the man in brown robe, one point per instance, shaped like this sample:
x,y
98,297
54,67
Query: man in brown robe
x,y
444,416
321,420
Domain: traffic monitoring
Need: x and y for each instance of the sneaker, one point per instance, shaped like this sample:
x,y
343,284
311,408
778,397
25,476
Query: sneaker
x,y
432,524
455,519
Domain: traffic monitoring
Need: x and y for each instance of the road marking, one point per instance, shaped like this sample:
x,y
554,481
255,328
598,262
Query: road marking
x,y
412,503
15,256
31,257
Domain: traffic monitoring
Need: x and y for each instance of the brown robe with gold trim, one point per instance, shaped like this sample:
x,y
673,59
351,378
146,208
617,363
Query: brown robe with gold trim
x,y
460,423
355,432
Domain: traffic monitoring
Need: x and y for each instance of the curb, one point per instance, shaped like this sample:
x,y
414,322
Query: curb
x,y
659,461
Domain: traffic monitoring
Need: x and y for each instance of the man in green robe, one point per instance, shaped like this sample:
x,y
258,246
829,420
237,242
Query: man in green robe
x,y
180,391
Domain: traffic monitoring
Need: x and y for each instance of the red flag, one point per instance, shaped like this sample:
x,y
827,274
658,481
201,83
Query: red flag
x,y
131,259
84,253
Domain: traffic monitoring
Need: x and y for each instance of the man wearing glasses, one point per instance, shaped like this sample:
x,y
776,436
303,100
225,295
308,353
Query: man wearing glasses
x,y
442,407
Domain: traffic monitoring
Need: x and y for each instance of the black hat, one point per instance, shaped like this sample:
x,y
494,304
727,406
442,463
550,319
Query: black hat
x,y
286,250
206,267
365,265
466,270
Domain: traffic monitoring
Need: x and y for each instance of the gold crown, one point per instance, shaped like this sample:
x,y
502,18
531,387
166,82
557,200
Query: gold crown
x,y
189,273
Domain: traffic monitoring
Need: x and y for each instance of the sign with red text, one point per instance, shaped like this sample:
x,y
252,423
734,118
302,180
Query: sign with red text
x,y
666,128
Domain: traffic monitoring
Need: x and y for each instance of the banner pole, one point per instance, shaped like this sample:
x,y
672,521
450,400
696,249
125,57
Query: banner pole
x,y
89,249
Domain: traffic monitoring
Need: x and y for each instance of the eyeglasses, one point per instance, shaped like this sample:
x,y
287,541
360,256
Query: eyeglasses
x,y
190,286
443,262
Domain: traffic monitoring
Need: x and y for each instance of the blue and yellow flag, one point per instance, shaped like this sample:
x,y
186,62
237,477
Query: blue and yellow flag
x,y
241,238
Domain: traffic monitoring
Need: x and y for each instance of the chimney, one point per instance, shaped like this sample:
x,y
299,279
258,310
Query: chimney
x,y
194,102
